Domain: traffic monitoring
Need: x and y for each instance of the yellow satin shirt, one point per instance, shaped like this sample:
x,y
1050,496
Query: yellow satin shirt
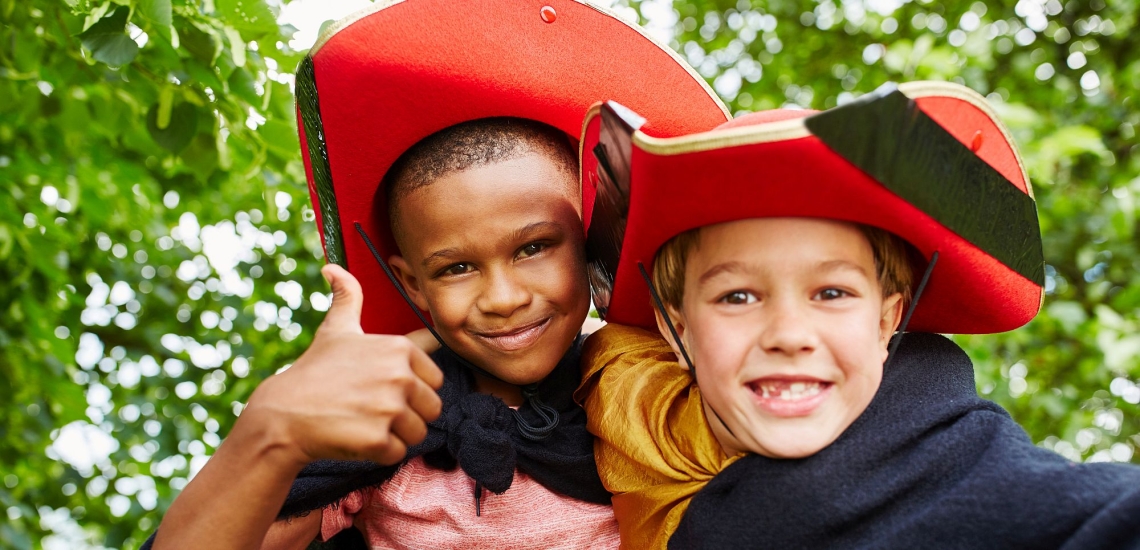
x,y
654,447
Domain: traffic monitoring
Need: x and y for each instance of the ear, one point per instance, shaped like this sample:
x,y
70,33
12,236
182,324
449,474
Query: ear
x,y
889,320
409,280
679,324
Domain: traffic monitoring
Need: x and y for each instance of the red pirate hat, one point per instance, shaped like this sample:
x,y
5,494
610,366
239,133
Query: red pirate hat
x,y
379,81
927,161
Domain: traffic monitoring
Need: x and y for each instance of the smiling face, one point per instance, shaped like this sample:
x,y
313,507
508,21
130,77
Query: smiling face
x,y
496,254
788,328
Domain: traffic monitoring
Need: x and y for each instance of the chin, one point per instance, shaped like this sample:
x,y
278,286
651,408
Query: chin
x,y
528,369
794,445
529,365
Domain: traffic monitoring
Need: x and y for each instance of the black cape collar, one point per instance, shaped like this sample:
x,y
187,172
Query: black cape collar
x,y
477,433
928,464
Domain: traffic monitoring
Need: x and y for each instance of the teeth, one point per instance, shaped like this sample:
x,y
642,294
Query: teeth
x,y
790,392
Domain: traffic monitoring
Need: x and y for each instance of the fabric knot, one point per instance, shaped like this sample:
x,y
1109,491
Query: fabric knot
x,y
478,436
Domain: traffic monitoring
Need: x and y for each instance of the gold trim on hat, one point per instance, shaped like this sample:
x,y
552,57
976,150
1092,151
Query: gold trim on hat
x,y
349,19
933,88
780,130
794,128
676,57
592,112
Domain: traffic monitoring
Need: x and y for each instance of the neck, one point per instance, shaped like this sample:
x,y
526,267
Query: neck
x,y
728,443
509,393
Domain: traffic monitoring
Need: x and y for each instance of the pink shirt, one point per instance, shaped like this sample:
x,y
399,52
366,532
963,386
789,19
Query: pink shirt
x,y
421,507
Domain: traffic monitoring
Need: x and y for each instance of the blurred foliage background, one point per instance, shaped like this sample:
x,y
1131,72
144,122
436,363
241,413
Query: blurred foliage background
x,y
158,256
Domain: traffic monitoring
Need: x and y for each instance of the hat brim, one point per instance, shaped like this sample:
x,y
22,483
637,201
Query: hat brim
x,y
929,162
381,80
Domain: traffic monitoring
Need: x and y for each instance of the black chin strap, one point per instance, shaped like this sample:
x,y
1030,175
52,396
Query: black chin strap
x,y
910,309
548,414
673,330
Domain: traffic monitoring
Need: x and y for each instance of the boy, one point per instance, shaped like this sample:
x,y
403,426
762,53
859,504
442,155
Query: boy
x,y
780,284
479,180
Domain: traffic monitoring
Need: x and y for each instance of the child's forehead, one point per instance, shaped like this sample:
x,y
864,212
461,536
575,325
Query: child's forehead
x,y
529,177
781,241
490,203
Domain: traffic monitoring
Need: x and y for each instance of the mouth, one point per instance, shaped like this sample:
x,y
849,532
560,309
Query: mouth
x,y
515,338
789,396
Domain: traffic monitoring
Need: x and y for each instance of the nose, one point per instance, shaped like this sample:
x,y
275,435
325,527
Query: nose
x,y
503,293
788,328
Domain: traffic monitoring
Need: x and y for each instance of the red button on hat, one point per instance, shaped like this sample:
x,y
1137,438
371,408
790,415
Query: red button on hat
x,y
548,14
384,78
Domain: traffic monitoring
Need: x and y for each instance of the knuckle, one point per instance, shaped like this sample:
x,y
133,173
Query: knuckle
x,y
379,441
402,344
385,408
419,433
401,378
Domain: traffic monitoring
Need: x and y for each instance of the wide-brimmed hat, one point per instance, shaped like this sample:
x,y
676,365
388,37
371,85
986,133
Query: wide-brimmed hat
x,y
927,161
381,80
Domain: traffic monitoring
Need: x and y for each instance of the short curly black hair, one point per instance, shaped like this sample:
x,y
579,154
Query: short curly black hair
x,y
471,145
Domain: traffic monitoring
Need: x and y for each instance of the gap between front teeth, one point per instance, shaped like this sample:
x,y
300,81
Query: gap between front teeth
x,y
797,390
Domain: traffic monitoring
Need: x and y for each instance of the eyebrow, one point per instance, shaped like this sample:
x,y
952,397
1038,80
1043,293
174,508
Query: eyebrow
x,y
443,254
741,267
726,267
519,234
840,265
530,229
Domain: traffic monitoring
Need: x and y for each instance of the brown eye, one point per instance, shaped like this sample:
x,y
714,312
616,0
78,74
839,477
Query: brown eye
x,y
457,269
738,297
531,249
831,294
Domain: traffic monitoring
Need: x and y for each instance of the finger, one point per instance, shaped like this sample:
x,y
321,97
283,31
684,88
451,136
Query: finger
x,y
424,401
423,339
425,368
348,299
392,453
409,428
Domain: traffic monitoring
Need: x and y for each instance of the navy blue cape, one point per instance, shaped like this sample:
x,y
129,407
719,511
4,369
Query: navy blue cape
x,y
929,464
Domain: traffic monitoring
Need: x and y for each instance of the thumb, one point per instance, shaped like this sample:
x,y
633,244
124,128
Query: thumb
x,y
348,299
423,339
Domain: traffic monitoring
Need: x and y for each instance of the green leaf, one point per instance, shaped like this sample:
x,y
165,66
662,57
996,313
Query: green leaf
x,y
251,18
165,102
117,51
201,44
241,84
1075,140
95,15
183,126
157,11
108,40
5,241
280,138
237,46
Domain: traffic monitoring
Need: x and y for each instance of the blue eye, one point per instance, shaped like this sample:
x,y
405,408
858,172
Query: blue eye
x,y
738,297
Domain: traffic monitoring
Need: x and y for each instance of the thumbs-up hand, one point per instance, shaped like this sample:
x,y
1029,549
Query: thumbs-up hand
x,y
351,395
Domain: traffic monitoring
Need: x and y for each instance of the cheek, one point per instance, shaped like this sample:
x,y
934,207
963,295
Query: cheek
x,y
562,280
449,305
718,346
857,350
